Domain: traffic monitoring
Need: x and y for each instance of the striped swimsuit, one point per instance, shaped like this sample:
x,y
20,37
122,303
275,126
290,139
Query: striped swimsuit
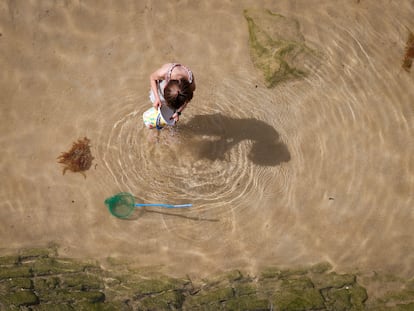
x,y
169,72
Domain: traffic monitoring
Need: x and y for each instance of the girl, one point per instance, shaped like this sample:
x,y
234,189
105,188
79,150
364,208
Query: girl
x,y
172,85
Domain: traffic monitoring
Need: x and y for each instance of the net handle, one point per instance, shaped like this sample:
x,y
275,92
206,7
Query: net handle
x,y
163,205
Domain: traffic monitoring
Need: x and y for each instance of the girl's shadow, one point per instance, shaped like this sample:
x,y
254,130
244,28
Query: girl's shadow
x,y
267,149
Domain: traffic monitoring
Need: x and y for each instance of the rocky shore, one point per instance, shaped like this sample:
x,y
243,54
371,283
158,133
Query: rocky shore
x,y
39,279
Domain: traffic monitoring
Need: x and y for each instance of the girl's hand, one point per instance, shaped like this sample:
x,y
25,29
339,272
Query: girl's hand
x,y
176,117
157,104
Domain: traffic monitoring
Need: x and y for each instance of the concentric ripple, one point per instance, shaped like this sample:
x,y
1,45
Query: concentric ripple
x,y
218,158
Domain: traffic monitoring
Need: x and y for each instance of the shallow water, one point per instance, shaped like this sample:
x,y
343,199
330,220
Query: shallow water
x,y
311,170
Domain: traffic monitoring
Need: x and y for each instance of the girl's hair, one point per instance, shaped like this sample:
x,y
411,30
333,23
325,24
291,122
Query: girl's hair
x,y
177,93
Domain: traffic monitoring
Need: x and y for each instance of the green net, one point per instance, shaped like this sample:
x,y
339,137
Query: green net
x,y
121,205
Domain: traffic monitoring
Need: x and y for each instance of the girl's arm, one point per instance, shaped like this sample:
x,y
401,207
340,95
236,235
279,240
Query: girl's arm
x,y
176,115
158,74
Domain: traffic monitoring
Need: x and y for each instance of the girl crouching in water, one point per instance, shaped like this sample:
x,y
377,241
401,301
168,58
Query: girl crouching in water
x,y
173,86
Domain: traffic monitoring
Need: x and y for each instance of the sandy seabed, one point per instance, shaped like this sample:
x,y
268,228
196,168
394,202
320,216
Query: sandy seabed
x,y
318,169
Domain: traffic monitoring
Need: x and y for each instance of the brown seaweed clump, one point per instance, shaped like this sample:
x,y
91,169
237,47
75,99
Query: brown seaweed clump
x,y
78,158
409,53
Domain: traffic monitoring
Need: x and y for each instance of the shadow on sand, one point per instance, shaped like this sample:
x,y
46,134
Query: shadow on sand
x,y
267,149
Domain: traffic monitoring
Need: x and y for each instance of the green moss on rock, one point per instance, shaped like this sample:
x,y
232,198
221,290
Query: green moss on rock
x,y
146,287
68,296
43,282
53,307
82,281
8,260
270,273
172,300
321,267
244,289
298,294
334,280
215,297
337,299
48,266
15,272
247,303
404,307
30,253
20,298
42,285
14,284
359,296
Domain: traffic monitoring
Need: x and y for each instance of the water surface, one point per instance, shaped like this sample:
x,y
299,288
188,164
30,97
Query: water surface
x,y
311,170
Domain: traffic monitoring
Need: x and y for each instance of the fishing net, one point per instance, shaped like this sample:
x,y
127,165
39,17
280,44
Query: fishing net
x,y
121,205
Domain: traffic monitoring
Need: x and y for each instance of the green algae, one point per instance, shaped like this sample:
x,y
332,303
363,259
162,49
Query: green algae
x,y
277,47
20,298
41,280
251,302
213,296
82,282
53,307
321,267
358,296
334,279
27,254
165,301
15,272
298,294
14,284
8,260
244,289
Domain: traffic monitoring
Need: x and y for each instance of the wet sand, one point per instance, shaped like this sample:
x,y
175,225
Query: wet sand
x,y
318,169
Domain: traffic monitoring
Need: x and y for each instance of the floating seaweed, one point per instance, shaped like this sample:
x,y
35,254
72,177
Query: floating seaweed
x,y
78,158
409,53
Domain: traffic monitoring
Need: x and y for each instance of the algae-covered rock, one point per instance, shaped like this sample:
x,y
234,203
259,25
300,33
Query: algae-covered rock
x,y
334,280
82,282
404,307
244,289
171,300
145,287
270,273
20,298
49,266
321,267
40,281
298,294
277,47
337,299
31,253
251,302
8,260
15,272
358,297
67,296
345,298
53,307
209,299
14,284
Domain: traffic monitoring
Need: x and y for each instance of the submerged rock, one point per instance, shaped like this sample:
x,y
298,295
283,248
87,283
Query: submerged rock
x,y
38,279
277,47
